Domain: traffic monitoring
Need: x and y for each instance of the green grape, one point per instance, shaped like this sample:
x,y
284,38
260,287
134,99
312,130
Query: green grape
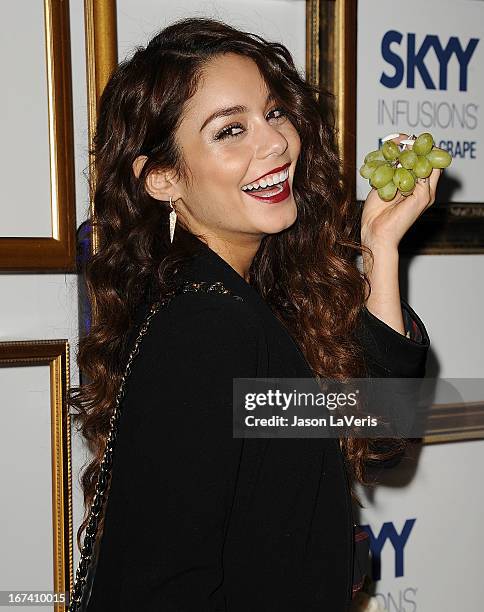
x,y
410,191
374,156
397,175
422,168
388,191
390,150
391,170
367,169
423,144
382,175
404,179
439,158
408,158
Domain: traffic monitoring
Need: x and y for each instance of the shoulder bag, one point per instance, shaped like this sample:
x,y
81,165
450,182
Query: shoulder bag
x,y
81,592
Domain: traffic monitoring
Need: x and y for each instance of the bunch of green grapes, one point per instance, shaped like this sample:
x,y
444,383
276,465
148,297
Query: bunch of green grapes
x,y
396,167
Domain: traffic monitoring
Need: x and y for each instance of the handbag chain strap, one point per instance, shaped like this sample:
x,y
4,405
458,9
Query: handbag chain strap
x,y
77,593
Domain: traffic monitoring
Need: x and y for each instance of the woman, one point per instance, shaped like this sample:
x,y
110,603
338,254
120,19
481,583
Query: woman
x,y
197,519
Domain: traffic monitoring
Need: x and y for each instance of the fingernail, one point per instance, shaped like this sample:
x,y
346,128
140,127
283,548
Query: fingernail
x,y
389,137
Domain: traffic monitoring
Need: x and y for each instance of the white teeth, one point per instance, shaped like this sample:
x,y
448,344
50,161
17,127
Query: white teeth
x,y
408,141
389,137
271,180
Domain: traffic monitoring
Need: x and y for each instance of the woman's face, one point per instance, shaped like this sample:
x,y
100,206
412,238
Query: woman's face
x,y
227,152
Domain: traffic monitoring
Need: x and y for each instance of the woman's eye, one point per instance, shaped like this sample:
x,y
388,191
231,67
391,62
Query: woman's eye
x,y
279,110
226,132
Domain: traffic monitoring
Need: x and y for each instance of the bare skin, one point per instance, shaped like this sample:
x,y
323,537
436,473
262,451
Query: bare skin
x,y
261,138
383,225
212,202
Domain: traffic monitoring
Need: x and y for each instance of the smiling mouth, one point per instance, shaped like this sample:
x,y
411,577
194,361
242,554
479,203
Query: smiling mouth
x,y
272,194
270,184
269,191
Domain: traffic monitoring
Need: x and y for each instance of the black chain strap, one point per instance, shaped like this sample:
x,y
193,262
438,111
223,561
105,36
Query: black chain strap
x,y
79,593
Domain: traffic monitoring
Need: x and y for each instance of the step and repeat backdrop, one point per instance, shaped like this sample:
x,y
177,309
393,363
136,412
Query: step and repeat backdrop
x,y
419,69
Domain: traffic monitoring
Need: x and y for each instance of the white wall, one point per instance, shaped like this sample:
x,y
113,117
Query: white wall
x,y
35,306
439,486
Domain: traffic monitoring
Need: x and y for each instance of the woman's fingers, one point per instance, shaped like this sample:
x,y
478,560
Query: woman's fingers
x,y
434,179
426,188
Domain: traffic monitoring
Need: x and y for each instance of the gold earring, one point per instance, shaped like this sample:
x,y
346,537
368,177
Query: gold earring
x,y
172,220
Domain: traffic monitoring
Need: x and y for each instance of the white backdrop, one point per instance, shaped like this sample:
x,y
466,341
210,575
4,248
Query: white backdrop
x,y
421,71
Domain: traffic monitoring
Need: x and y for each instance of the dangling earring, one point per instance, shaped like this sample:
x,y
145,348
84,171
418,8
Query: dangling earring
x,y
172,220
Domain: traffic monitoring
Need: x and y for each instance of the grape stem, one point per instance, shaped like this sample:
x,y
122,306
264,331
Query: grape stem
x,y
402,147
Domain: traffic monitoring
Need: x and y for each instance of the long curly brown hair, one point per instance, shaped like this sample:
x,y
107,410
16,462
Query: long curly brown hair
x,y
307,273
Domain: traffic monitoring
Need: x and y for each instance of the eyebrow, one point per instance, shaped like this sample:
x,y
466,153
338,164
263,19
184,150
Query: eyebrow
x,y
232,110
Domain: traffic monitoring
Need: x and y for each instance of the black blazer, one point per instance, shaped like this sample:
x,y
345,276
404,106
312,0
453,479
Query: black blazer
x,y
199,521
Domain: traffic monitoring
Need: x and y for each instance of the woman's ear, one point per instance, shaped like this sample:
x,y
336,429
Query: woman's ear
x,y
138,164
157,183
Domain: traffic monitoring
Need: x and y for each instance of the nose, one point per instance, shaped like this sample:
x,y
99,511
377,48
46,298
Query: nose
x,y
268,141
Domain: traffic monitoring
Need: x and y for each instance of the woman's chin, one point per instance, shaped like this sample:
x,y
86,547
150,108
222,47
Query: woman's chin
x,y
275,223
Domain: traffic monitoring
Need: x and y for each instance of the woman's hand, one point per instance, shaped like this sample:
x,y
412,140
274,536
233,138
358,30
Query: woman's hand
x,y
383,224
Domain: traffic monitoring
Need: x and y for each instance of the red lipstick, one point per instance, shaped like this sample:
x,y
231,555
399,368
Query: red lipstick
x,y
278,196
279,169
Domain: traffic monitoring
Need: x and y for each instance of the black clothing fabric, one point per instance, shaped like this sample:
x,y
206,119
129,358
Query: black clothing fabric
x,y
199,521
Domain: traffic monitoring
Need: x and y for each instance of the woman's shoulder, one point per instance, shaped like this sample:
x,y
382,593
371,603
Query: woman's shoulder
x,y
207,336
211,320
213,310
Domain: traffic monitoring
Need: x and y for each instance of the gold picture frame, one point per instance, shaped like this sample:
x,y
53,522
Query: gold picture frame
x,y
455,422
55,354
445,228
101,59
58,251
